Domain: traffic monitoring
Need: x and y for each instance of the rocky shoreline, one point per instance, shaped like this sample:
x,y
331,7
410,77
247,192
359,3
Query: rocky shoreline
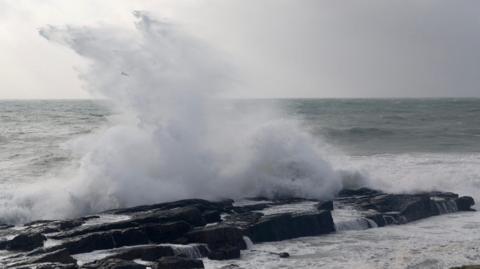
x,y
179,234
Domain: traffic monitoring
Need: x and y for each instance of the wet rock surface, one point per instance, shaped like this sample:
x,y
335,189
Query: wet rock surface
x,y
178,234
231,266
387,209
218,236
61,256
286,226
177,262
25,242
465,203
114,264
145,253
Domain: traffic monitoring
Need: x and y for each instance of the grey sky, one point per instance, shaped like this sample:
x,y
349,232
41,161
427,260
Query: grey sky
x,y
281,48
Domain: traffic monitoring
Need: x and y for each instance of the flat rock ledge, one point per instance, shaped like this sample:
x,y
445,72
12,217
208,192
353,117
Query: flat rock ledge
x,y
180,234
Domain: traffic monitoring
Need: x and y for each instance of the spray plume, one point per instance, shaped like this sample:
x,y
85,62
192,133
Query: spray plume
x,y
172,138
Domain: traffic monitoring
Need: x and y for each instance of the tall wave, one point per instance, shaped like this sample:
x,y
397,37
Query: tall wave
x,y
172,138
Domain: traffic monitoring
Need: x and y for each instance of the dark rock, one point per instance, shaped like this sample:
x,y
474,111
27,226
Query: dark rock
x,y
199,203
258,198
231,266
129,237
160,233
37,222
146,253
284,255
97,228
395,202
328,205
89,217
217,237
358,192
242,220
378,219
176,262
286,226
212,216
412,206
69,224
104,240
225,253
113,264
181,241
386,209
408,207
249,208
3,244
272,228
49,266
51,226
88,243
419,208
465,203
60,256
4,226
26,242
190,215
388,218
225,203
54,226
183,222
445,195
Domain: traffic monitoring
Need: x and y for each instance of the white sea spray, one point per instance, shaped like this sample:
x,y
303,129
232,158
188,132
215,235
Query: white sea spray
x,y
172,137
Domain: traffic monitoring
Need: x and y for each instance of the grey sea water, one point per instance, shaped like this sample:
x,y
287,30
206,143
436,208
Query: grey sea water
x,y
374,126
400,144
32,133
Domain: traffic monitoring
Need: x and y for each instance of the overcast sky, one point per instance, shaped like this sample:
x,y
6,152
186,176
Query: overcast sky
x,y
281,48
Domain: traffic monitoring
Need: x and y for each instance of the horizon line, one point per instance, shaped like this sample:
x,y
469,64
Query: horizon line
x,y
253,98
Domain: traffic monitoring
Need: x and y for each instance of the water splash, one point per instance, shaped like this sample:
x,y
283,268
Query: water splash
x,y
172,137
248,242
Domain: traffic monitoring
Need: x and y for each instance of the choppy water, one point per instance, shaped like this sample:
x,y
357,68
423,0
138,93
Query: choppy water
x,y
395,133
402,145
369,126
436,243
33,135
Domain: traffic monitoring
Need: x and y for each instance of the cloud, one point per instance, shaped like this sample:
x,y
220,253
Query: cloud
x,y
355,48
283,48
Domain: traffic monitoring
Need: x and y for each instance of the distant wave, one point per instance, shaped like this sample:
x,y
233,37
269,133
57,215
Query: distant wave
x,y
358,132
48,160
472,131
394,118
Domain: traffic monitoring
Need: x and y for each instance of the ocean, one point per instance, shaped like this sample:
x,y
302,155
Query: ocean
x,y
397,145
432,140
